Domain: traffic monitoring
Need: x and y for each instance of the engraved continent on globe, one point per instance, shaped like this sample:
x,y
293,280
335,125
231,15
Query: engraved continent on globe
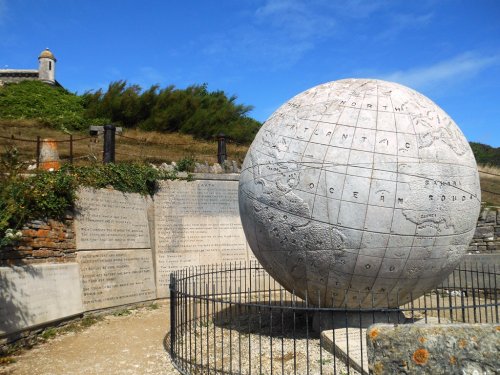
x,y
359,192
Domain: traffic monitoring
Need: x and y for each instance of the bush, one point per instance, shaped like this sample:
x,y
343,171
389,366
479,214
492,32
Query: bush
x,y
186,164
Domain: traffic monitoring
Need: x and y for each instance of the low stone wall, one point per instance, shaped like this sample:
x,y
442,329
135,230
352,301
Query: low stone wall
x,y
43,241
487,236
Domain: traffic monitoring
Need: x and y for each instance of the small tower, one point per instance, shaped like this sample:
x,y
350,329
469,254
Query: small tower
x,y
47,67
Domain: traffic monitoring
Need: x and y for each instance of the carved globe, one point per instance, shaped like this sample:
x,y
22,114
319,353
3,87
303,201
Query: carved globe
x,y
359,192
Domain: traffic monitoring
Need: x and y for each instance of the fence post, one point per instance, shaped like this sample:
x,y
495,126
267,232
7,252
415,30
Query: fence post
x,y
173,291
71,148
109,144
37,152
221,148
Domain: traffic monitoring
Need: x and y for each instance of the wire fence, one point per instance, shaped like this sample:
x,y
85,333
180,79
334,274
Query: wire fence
x,y
83,149
86,149
235,319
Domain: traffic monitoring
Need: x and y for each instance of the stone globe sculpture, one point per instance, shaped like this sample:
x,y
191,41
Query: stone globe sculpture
x,y
359,193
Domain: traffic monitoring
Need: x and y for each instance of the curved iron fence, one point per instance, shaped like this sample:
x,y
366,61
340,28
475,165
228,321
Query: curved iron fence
x,y
235,319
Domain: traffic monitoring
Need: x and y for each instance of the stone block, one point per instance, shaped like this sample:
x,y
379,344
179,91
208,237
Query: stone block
x,y
109,219
472,248
348,344
196,222
216,168
433,348
484,232
116,277
45,253
37,294
490,216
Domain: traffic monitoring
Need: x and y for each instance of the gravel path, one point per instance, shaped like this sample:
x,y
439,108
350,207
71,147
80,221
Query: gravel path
x,y
133,343
129,344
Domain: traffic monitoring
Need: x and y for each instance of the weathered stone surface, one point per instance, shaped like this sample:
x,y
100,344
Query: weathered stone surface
x,y
36,294
116,277
196,223
490,215
216,168
434,349
109,219
51,241
363,185
348,344
484,232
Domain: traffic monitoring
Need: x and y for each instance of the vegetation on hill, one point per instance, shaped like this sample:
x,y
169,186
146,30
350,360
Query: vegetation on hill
x,y
485,154
50,106
193,110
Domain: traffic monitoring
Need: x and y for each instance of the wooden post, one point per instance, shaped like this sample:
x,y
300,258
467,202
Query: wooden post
x,y
109,144
221,149
71,148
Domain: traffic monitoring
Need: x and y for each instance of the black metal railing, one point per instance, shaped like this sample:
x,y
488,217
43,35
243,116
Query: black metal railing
x,y
235,319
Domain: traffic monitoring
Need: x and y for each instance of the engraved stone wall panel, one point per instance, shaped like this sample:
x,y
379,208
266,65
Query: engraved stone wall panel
x,y
109,219
196,222
37,294
116,277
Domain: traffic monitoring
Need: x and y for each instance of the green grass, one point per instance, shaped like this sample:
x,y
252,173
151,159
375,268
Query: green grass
x,y
123,312
154,306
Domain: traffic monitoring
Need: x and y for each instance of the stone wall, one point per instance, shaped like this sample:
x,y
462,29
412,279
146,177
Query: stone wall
x,y
43,241
118,249
487,236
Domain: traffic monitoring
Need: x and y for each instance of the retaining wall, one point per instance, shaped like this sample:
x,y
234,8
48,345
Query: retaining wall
x,y
118,249
487,236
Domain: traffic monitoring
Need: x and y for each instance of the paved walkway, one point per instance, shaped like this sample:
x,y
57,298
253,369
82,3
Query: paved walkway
x,y
130,344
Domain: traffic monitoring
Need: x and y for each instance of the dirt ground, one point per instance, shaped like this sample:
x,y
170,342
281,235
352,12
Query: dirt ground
x,y
126,344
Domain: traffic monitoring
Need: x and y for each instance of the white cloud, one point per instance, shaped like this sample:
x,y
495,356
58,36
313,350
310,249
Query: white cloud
x,y
299,20
400,22
454,70
274,35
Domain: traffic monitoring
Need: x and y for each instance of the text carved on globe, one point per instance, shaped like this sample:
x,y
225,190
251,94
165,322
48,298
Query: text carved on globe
x,y
359,192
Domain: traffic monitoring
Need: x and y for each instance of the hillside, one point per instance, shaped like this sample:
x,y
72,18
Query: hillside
x,y
131,145
486,154
194,110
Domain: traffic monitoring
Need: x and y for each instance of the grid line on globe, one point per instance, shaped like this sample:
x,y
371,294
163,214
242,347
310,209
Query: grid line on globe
x,y
359,188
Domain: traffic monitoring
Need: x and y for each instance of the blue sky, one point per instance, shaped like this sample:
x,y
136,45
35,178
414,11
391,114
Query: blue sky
x,y
266,51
